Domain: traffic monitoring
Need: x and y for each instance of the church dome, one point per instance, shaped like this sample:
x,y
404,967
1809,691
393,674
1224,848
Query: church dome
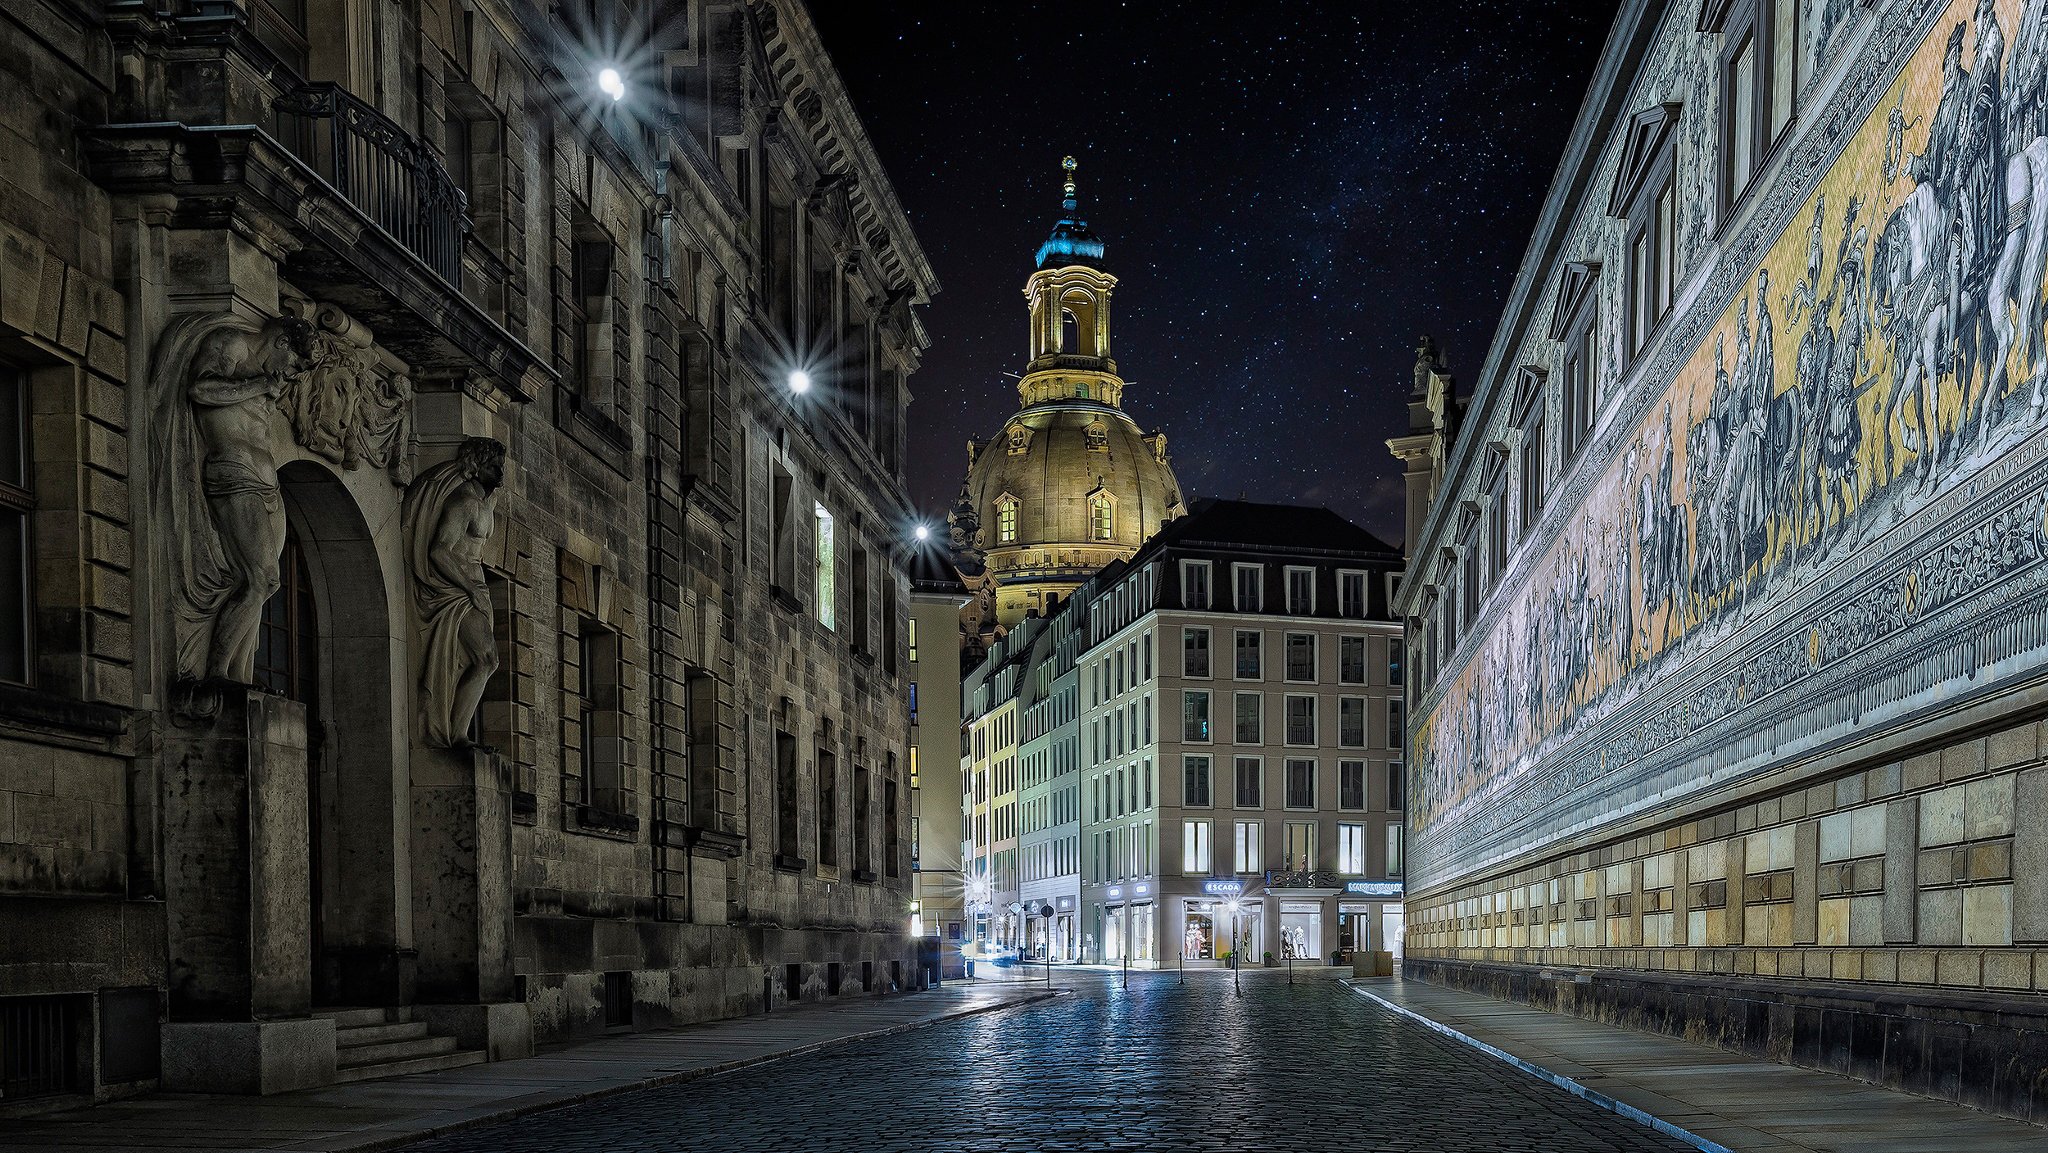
x,y
1069,485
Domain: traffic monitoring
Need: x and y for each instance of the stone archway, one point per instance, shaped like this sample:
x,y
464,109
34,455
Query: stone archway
x,y
356,807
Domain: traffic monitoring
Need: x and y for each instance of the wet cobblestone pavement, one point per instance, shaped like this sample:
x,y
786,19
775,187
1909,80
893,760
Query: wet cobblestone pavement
x,y
1160,1066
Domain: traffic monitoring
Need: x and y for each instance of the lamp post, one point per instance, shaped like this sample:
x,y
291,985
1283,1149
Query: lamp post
x,y
1045,914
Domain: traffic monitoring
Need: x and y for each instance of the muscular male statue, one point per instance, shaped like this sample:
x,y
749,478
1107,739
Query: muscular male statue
x,y
236,380
450,513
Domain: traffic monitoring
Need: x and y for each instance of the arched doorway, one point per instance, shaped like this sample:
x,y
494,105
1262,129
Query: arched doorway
x,y
328,641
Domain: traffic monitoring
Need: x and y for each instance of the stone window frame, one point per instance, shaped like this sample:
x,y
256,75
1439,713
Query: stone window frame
x,y
1257,795
1237,731
1355,707
1531,419
1297,607
1299,800
1352,853
1352,607
1237,591
1257,649
1364,648
1645,198
1188,568
1205,797
1101,515
1349,785
594,626
1740,24
1006,519
1288,731
18,502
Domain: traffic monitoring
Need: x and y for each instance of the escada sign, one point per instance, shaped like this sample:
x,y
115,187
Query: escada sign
x,y
1222,888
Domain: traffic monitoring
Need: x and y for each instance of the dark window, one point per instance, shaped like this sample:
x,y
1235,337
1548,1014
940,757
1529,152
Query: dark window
x,y
1301,720
1195,782
1394,647
1760,85
1351,660
1397,725
287,648
1351,594
785,794
1194,724
603,723
863,820
1301,784
1395,786
1301,656
1248,772
1249,578
1250,722
1351,722
1249,643
1194,653
828,809
892,824
1351,784
17,504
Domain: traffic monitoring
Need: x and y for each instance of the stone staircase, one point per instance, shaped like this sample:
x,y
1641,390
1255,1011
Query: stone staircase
x,y
371,1043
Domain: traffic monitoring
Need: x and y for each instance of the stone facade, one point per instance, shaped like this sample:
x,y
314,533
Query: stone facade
x,y
1725,613
312,712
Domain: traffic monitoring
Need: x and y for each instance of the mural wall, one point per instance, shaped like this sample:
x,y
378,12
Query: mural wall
x,y
1830,521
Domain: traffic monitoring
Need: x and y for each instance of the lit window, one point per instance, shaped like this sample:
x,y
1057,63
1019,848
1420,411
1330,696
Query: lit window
x,y
1194,848
1351,850
1006,520
1247,846
825,591
1101,519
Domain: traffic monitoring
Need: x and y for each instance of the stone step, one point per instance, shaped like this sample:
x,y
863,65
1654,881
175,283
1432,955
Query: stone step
x,y
455,1060
357,1018
372,1034
385,1051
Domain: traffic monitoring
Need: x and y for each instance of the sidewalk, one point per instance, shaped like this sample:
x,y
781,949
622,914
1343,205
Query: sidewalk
x,y
1716,1100
374,1115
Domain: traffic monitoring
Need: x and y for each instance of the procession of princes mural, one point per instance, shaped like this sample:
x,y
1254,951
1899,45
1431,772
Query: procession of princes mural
x,y
1888,346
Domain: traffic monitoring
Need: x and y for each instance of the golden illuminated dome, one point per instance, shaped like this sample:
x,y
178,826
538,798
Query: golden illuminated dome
x,y
1069,484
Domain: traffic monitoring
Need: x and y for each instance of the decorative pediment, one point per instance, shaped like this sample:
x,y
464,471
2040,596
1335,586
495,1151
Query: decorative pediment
x,y
1648,134
1574,289
1529,384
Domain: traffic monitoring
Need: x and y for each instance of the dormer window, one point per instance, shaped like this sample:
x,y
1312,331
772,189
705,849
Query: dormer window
x,y
1760,81
1020,440
1646,197
1576,325
1006,519
1098,437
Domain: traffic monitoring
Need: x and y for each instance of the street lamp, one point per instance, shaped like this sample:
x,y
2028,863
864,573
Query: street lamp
x,y
924,532
612,84
799,382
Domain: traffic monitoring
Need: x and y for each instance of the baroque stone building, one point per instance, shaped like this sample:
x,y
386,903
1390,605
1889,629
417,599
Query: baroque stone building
x,y
432,611
1726,616
1069,484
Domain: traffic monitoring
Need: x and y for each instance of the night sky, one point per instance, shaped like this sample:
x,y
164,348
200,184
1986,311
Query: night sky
x,y
1291,193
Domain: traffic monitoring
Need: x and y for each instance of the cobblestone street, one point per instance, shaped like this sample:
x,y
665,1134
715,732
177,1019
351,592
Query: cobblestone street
x,y
1160,1066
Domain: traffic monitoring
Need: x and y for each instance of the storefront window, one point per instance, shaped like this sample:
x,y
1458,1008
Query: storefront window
x,y
1198,942
1301,931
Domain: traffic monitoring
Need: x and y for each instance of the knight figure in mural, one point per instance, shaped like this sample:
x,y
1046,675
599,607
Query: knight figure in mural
x,y
449,514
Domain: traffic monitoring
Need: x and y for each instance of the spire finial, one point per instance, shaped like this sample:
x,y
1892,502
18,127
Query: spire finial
x,y
1067,166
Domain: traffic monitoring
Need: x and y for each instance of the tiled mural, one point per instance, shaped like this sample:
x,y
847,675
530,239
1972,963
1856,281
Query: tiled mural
x,y
1831,521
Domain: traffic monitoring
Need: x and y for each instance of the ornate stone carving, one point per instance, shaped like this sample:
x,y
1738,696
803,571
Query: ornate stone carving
x,y
232,382
341,408
449,514
234,398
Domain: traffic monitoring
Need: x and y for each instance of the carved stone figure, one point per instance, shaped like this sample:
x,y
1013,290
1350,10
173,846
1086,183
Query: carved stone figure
x,y
449,515
235,380
345,411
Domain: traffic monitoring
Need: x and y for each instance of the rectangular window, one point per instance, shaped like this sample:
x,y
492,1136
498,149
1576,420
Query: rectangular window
x,y
1194,848
1194,715
1351,594
17,506
1301,591
1394,850
1250,580
1350,660
603,722
1532,468
828,809
1351,850
1249,772
1194,584
1301,657
1301,845
1301,784
1301,720
1351,784
1246,847
1397,725
1250,720
1496,526
1396,786
863,820
1351,722
785,794
1194,789
1250,643
1395,645
1194,652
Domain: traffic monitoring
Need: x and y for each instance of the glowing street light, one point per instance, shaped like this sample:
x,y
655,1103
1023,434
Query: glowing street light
x,y
613,84
799,382
924,532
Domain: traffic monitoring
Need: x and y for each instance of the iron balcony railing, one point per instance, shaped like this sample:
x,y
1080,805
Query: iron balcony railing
x,y
380,168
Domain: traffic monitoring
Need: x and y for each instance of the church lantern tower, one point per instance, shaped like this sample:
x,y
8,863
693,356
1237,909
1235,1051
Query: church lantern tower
x,y
1069,484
